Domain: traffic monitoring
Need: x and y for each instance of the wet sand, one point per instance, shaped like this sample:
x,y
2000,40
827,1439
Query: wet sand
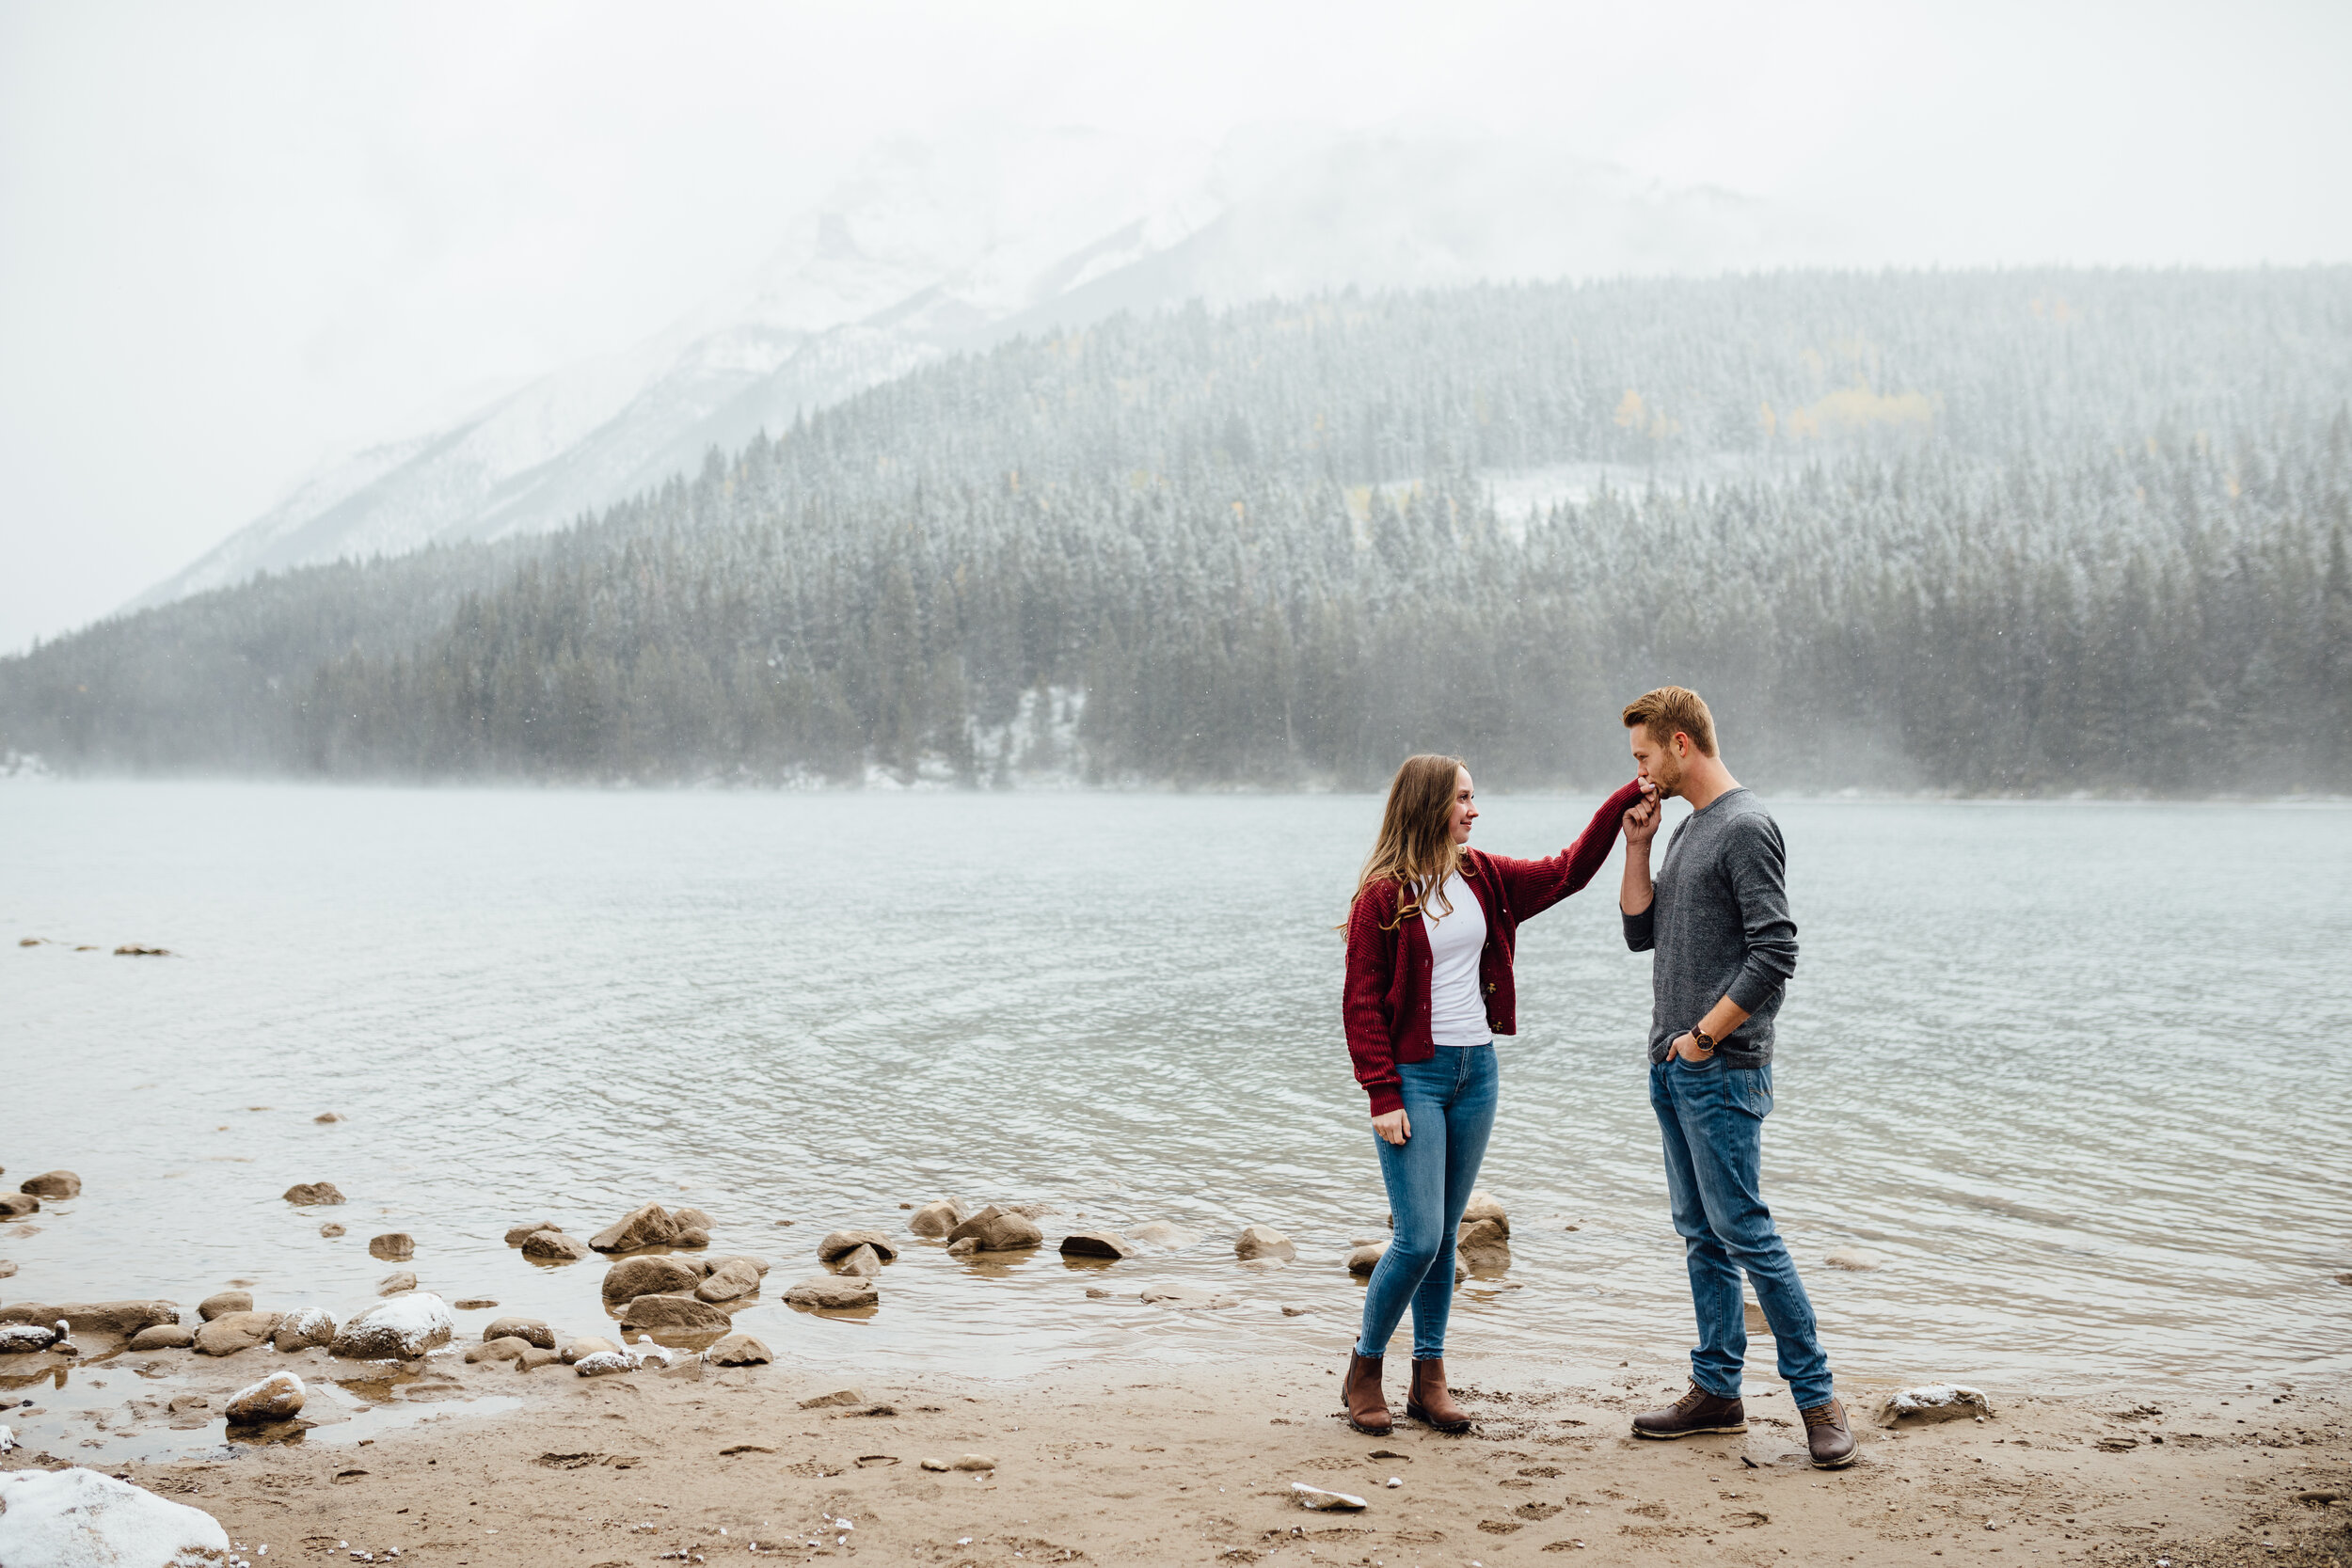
x,y
1134,1464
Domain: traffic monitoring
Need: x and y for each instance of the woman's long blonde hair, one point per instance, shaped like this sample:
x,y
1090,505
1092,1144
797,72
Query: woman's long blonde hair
x,y
1416,847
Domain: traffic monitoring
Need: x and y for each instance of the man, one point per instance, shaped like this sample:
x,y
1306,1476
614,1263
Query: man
x,y
1717,919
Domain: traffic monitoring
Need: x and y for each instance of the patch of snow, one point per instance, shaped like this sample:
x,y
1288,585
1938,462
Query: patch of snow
x,y
78,1518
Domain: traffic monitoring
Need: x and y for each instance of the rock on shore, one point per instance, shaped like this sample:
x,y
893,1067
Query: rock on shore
x,y
648,1224
998,1229
302,1328
731,1280
1484,1245
1096,1244
553,1246
163,1336
79,1517
1263,1240
95,1317
400,1329
276,1398
934,1220
531,1331
393,1246
14,1205
739,1350
53,1184
683,1313
862,1259
221,1303
398,1284
657,1274
233,1332
517,1234
832,1292
1933,1401
840,1243
313,1195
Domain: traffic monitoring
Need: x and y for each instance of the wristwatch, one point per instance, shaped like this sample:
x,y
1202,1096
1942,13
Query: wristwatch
x,y
1700,1037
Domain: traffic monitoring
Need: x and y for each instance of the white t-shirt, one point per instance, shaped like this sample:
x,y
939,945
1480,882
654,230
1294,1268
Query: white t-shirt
x,y
1457,1014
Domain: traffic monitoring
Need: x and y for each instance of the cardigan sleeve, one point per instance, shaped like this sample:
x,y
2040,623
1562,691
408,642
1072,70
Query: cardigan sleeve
x,y
1363,1003
1534,886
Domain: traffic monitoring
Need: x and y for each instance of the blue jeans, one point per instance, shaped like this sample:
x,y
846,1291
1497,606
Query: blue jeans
x,y
1449,1102
1713,1116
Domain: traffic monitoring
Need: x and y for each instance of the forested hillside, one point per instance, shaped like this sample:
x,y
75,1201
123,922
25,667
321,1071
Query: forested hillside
x,y
2005,532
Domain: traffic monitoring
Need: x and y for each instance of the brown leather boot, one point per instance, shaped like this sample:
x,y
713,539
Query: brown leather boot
x,y
1428,1401
1828,1435
1694,1412
1366,1407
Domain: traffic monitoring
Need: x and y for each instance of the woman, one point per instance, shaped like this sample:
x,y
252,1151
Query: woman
x,y
1429,944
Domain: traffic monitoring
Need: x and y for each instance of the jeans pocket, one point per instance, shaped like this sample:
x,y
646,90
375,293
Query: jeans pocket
x,y
1752,1088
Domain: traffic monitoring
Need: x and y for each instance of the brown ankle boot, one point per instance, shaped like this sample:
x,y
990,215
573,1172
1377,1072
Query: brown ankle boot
x,y
1366,1407
1829,1437
1694,1412
1429,1401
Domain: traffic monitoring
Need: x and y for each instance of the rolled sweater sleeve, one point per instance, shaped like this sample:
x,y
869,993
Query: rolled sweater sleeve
x,y
1641,931
1756,862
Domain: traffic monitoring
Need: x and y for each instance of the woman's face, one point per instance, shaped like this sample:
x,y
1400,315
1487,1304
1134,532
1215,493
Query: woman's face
x,y
1465,808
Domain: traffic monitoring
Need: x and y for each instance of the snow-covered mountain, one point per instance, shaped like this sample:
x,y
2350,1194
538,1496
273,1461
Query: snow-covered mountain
x,y
930,248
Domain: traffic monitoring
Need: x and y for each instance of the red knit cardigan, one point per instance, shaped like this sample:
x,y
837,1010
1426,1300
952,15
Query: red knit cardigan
x,y
1386,1001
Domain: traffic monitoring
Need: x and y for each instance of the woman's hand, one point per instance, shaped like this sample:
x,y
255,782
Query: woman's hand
x,y
1395,1126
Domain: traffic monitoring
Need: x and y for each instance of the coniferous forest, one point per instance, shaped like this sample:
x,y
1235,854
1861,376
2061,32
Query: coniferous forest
x,y
1991,533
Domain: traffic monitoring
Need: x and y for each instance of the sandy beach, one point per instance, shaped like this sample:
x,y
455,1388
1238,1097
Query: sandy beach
x,y
698,1463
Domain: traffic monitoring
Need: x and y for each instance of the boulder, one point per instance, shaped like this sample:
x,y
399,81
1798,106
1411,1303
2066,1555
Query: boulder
x,y
693,1219
553,1246
934,1220
832,1292
693,1236
1860,1259
393,1246
732,1280
517,1234
657,1274
531,1331
276,1398
998,1229
164,1337
475,1303
30,1338
302,1328
235,1331
17,1205
963,1246
53,1184
8,1268
124,1318
1263,1240
397,1284
604,1363
400,1329
1484,1248
863,1261
586,1345
1366,1258
1481,1206
77,1516
328,1117
534,1358
648,1225
683,1313
1933,1401
222,1303
505,1349
739,1350
1096,1244
313,1195
975,1462
843,1242
330,1230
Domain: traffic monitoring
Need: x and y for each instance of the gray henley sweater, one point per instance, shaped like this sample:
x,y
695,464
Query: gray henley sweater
x,y
1720,926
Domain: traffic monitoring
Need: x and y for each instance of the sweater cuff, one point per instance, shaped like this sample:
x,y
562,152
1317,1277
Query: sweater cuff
x,y
1749,992
1386,1098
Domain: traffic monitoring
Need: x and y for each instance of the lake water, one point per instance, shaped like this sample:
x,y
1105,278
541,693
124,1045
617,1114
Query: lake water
x,y
2071,1070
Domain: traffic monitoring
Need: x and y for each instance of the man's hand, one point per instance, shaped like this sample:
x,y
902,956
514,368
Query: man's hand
x,y
1686,1047
1641,822
1395,1126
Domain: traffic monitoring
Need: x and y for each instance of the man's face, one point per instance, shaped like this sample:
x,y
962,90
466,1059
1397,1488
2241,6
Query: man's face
x,y
1659,763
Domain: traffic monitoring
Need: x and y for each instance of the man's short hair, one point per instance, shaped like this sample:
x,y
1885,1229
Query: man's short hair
x,y
1670,709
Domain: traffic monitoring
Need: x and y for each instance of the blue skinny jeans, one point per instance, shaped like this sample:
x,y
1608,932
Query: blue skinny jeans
x,y
1450,1102
1712,1119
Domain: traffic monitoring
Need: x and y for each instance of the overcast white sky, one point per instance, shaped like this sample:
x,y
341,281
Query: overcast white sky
x,y
237,238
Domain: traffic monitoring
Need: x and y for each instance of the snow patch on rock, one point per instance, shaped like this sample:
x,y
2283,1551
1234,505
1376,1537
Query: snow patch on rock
x,y
78,1518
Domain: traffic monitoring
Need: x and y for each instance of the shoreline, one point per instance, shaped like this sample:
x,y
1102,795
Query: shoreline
x,y
1144,1463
